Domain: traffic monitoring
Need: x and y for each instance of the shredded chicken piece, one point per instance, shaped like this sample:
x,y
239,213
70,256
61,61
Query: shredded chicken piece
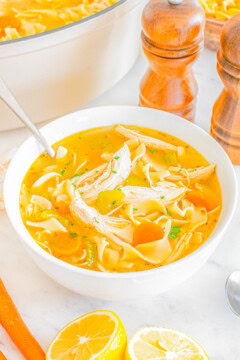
x,y
165,191
147,140
194,175
104,224
106,177
90,176
201,173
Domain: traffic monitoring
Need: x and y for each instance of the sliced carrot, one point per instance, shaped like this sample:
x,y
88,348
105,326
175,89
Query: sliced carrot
x,y
63,207
12,322
146,233
200,200
64,243
2,357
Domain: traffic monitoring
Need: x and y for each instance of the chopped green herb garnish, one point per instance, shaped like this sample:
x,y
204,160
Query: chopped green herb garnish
x,y
162,197
168,212
122,249
117,157
73,235
135,209
114,172
84,237
74,185
68,163
86,169
62,172
114,202
176,229
81,193
96,220
172,235
118,189
153,151
75,175
144,164
79,137
179,171
82,173
97,171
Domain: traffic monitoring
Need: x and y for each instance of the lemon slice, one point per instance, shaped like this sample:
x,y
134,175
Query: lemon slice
x,y
157,343
99,335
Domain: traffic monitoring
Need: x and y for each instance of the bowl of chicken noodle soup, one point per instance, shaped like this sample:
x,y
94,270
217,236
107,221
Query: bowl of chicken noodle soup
x,y
133,203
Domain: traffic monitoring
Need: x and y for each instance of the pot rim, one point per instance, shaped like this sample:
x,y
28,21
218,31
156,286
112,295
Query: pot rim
x,y
61,28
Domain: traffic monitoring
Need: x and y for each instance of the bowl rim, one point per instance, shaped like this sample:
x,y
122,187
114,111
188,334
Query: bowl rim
x,y
29,241
64,27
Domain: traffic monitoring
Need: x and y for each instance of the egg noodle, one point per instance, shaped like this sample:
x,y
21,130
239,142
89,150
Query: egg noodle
x,y
20,18
221,9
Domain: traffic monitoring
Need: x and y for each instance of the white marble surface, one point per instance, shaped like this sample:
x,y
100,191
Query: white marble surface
x,y
197,307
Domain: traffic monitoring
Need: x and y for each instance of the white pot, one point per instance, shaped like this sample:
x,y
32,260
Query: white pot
x,y
116,286
55,72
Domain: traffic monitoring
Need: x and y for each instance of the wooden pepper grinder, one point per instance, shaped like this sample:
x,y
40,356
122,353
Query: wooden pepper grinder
x,y
225,126
172,38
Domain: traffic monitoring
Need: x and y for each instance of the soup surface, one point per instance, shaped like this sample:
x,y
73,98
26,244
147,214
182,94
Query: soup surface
x,y
28,17
120,199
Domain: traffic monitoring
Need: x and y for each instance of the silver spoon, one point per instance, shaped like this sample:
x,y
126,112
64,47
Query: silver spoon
x,y
233,292
10,101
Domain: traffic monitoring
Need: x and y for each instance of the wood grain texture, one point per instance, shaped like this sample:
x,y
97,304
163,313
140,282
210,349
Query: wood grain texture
x,y
212,33
172,38
225,125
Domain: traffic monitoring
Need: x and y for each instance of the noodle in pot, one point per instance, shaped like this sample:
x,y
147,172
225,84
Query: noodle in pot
x,y
20,18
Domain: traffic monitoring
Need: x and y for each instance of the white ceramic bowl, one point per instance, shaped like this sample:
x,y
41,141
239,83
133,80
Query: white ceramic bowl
x,y
116,286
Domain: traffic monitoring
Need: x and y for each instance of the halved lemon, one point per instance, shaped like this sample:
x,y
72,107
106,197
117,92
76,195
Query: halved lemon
x,y
99,335
163,344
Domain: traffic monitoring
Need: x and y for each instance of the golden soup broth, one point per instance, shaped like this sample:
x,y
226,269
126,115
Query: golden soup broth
x,y
159,231
20,18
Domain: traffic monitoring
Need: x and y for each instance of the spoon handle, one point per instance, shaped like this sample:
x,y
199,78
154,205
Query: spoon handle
x,y
11,102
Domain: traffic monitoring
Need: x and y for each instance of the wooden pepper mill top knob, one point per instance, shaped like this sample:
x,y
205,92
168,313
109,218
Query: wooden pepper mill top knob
x,y
173,28
230,43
